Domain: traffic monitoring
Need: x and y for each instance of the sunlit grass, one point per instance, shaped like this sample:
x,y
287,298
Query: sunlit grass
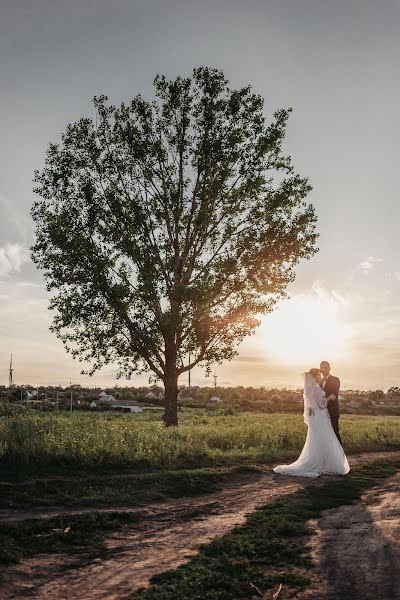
x,y
142,442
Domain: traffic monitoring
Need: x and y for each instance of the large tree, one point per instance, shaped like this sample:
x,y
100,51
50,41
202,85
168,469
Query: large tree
x,y
165,228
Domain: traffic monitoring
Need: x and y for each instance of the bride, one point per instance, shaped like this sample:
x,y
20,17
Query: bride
x,y
322,452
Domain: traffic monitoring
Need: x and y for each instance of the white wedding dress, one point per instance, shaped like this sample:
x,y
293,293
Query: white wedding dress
x,y
322,452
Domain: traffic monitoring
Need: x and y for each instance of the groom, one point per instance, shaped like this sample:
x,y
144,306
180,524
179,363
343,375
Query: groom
x,y
331,385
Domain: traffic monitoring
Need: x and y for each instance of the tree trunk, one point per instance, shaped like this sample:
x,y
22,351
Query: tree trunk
x,y
171,401
171,386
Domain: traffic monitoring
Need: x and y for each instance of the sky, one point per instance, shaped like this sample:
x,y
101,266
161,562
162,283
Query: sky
x,y
335,63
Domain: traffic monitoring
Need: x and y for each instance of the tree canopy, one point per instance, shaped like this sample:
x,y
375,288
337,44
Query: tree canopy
x,y
166,227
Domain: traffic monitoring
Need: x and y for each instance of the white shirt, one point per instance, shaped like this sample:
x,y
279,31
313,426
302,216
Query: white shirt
x,y
323,382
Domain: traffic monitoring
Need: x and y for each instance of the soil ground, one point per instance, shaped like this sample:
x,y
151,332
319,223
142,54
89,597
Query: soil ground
x,y
356,550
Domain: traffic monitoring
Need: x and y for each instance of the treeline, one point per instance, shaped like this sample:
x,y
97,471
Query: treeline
x,y
239,398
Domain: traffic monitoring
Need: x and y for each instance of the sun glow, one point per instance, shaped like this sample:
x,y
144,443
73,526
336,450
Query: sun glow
x,y
306,329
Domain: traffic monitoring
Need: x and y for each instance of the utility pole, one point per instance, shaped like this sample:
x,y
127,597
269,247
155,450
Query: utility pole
x,y
70,397
21,394
57,401
215,379
10,374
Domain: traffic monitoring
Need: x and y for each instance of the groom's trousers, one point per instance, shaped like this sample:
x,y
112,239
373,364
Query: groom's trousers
x,y
334,413
335,426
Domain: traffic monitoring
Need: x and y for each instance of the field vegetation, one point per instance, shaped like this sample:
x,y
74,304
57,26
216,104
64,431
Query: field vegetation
x,y
82,459
34,442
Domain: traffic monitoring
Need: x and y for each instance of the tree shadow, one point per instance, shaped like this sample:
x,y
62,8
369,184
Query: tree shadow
x,y
356,550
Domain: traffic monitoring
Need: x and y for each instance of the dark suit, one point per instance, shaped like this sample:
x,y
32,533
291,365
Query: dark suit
x,y
332,386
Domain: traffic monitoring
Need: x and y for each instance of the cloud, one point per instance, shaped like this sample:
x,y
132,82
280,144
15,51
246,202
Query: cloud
x,y
369,264
12,257
15,220
395,276
334,295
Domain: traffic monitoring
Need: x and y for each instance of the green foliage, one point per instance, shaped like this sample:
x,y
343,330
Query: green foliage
x,y
77,488
166,227
66,533
140,442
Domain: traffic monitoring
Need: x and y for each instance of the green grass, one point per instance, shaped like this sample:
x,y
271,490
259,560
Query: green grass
x,y
95,490
81,534
270,548
35,443
99,459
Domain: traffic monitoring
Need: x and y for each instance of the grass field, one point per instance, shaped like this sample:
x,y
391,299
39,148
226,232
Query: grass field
x,y
103,459
35,442
115,459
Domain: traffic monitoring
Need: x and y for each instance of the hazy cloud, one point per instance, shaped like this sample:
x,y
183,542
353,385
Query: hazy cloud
x,y
14,221
12,257
369,264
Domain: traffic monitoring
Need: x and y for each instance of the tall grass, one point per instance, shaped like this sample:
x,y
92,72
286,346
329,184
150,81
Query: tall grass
x,y
142,442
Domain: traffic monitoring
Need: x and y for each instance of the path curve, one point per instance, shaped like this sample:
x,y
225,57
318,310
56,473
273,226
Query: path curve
x,y
168,536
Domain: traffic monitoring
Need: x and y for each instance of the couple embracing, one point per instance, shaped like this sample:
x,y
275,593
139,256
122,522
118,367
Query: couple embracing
x,y
322,451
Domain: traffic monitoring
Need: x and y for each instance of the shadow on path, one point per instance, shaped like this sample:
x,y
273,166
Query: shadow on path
x,y
356,549
169,536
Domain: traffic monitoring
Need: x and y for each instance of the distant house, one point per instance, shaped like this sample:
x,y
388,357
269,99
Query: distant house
x,y
215,399
103,397
151,396
127,405
131,405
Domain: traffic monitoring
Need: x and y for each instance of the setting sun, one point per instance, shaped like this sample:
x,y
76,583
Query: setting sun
x,y
305,329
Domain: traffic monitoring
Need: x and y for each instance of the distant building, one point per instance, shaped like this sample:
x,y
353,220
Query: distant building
x,y
215,399
127,405
103,397
133,408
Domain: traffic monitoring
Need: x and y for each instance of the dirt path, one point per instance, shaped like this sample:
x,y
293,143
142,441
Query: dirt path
x,y
356,549
168,536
